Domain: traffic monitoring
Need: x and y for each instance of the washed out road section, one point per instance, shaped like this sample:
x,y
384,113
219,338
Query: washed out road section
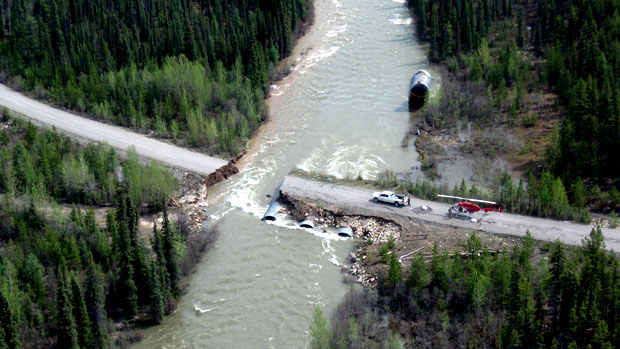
x,y
359,201
115,136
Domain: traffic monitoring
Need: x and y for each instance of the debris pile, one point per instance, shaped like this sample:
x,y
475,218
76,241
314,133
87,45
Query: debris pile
x,y
193,202
222,173
357,268
225,171
374,229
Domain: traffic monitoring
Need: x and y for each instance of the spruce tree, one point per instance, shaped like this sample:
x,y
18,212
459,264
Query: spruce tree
x,y
9,330
418,274
614,303
521,318
592,275
112,228
463,191
395,275
126,292
157,293
157,243
126,286
95,303
579,193
76,216
140,269
520,30
168,237
421,18
555,283
82,321
434,51
3,344
65,322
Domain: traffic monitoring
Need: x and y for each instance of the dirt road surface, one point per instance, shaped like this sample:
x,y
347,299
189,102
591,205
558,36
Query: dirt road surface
x,y
360,201
117,137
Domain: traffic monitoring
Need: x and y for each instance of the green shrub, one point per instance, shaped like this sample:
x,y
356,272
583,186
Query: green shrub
x,y
529,120
4,138
384,253
387,179
613,220
5,114
391,242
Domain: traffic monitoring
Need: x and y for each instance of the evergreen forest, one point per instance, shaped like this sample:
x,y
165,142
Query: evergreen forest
x,y
194,71
66,277
479,298
505,50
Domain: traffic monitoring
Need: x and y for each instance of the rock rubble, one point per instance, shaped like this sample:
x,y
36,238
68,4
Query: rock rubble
x,y
193,202
373,230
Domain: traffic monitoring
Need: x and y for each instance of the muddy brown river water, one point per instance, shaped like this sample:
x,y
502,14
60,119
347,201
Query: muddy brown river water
x,y
342,111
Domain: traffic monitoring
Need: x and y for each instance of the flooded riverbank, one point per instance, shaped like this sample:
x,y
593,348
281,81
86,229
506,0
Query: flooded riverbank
x,y
342,111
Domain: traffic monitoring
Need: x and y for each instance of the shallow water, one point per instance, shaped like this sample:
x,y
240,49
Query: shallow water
x,y
342,111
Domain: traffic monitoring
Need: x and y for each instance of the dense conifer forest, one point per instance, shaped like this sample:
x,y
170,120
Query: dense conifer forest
x,y
503,50
66,278
198,70
485,299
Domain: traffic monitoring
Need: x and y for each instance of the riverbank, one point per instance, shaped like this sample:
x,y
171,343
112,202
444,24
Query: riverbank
x,y
368,230
485,141
288,70
410,237
392,267
449,297
496,111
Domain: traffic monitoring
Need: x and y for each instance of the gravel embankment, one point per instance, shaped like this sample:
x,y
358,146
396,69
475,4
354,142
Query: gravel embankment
x,y
359,201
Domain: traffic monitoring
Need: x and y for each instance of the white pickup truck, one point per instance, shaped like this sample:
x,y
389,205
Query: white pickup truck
x,y
390,198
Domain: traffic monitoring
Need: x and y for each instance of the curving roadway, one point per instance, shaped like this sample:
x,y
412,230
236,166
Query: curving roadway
x,y
353,199
117,137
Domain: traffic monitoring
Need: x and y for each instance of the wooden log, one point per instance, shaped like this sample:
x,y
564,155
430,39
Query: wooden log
x,y
400,260
466,254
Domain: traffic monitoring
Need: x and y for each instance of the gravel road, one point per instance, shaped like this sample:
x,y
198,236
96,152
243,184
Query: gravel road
x,y
117,137
360,201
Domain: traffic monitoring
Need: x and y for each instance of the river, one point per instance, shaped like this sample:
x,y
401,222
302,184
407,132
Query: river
x,y
342,111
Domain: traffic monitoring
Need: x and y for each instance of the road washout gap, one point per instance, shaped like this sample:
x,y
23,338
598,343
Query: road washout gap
x,y
357,201
119,138
366,265
374,230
